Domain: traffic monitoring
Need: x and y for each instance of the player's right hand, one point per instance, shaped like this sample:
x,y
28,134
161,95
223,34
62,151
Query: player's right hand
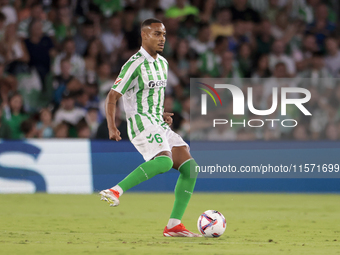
x,y
114,134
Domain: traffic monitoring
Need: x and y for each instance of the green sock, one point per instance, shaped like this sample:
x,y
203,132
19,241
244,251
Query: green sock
x,y
145,171
184,188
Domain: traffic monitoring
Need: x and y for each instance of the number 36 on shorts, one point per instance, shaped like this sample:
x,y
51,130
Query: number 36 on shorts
x,y
157,138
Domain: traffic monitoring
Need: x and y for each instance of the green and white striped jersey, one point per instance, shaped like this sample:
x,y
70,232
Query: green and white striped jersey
x,y
142,81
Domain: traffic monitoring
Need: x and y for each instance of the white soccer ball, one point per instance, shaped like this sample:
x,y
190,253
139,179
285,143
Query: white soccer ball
x,y
211,223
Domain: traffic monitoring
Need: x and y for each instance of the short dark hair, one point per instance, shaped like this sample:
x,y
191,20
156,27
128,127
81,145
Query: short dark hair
x,y
26,126
148,22
88,23
219,39
203,25
318,54
280,64
2,17
36,4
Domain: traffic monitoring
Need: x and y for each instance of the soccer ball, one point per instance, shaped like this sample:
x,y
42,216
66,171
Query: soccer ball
x,y
211,223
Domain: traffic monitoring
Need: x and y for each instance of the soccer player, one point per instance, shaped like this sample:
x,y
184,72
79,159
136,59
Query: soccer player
x,y
142,82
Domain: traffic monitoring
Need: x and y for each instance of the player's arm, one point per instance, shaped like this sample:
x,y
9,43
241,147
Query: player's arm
x,y
110,109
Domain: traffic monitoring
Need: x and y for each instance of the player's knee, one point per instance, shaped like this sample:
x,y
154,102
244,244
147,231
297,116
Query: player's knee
x,y
189,170
166,163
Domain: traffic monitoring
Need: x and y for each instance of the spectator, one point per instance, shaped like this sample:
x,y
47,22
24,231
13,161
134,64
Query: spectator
x,y
276,80
64,81
40,49
2,27
240,10
181,9
92,121
68,112
63,26
9,12
82,100
184,127
331,132
92,59
8,83
77,62
264,39
272,11
148,10
203,41
37,14
277,55
319,76
159,14
245,60
28,129
13,115
17,55
5,131
229,67
211,59
61,130
113,39
44,126
131,32
103,132
83,38
83,130
108,8
332,59
318,108
305,52
188,28
283,29
262,68
321,27
223,25
300,133
104,79
91,89
172,31
179,63
239,37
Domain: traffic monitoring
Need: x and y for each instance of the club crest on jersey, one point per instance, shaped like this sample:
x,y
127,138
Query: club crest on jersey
x,y
118,81
153,84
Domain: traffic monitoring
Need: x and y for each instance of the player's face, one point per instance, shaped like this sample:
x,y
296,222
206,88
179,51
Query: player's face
x,y
155,37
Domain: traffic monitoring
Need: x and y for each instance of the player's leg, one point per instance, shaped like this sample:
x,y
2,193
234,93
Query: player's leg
x,y
157,154
185,185
183,162
161,163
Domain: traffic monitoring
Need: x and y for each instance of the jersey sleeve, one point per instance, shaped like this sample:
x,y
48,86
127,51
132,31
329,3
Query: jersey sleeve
x,y
126,76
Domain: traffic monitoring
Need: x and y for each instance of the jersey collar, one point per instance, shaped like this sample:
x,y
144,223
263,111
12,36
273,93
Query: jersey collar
x,y
147,55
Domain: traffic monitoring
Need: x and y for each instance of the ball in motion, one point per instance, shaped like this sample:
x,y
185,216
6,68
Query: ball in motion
x,y
211,223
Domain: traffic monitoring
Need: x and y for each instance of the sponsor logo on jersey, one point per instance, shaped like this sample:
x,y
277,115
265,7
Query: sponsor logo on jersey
x,y
149,72
118,81
160,83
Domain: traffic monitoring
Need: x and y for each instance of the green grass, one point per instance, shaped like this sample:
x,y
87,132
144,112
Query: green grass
x,y
82,224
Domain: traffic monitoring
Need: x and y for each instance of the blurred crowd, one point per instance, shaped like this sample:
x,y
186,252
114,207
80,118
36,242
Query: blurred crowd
x,y
59,59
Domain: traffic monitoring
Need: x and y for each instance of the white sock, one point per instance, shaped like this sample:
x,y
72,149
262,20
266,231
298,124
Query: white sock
x,y
172,223
119,189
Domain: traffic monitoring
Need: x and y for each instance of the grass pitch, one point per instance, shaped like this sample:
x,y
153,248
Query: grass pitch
x,y
82,224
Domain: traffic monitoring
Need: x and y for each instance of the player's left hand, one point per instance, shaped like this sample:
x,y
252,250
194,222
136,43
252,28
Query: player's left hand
x,y
167,117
